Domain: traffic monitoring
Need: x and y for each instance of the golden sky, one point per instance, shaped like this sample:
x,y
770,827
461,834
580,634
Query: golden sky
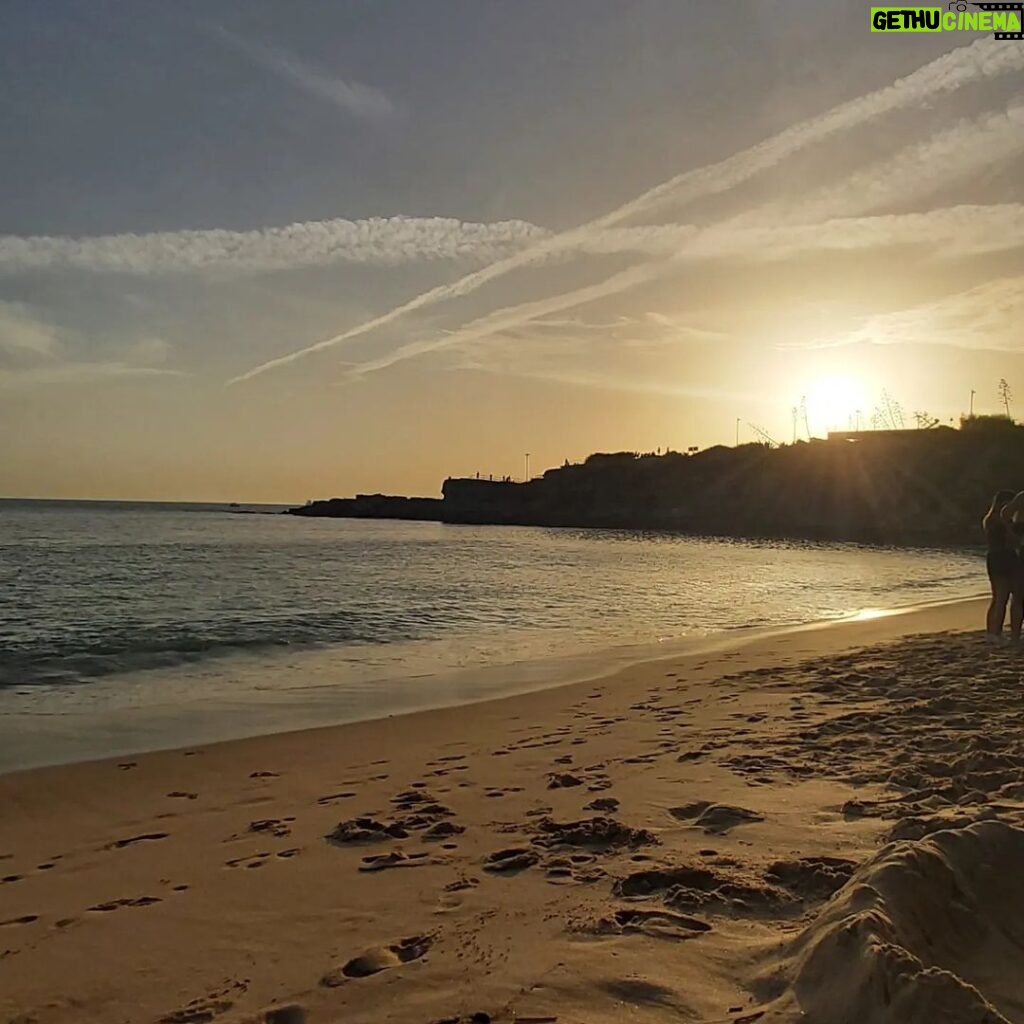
x,y
402,248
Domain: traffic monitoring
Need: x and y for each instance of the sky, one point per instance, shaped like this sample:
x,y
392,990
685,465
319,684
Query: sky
x,y
254,251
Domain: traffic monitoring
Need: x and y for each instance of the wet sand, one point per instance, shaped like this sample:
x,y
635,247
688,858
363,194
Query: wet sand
x,y
816,826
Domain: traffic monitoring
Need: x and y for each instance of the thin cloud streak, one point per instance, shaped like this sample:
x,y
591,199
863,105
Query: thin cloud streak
x,y
945,158
954,231
354,98
605,382
23,335
1001,228
985,317
511,317
79,372
981,59
378,241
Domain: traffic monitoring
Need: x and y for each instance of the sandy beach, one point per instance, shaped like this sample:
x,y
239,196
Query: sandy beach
x,y
815,826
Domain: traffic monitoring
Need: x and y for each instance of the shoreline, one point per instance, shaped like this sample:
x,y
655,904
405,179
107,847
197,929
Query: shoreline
x,y
890,625
502,681
511,856
961,540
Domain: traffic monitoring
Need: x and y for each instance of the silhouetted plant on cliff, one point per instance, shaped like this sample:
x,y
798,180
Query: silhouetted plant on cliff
x,y
1005,394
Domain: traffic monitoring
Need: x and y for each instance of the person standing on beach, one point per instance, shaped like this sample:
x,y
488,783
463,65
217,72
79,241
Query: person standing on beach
x,y
1002,561
1011,515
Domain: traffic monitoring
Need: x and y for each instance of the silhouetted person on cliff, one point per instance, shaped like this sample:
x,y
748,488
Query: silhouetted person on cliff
x,y
1002,562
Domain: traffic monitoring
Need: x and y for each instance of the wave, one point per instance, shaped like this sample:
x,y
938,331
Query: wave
x,y
73,655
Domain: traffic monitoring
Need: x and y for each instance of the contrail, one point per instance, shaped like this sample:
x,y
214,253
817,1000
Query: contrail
x,y
961,229
982,59
949,156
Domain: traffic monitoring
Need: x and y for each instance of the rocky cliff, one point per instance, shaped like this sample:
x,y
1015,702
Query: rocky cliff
x,y
889,487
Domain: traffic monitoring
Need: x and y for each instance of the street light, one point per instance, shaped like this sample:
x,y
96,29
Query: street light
x,y
527,467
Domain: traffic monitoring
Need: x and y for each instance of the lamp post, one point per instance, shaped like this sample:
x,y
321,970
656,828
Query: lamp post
x,y
527,467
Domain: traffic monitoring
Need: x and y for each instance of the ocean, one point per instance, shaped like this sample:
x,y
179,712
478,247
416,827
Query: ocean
x,y
135,626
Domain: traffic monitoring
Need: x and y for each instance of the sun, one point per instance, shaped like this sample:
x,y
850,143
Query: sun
x,y
836,402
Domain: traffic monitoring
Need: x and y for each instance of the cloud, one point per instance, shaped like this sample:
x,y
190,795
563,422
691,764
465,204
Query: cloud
x,y
986,317
378,241
148,351
649,327
954,231
502,320
354,98
80,372
33,351
629,354
980,60
946,158
23,335
983,59
589,377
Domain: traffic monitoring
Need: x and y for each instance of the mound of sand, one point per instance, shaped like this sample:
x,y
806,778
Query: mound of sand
x,y
926,932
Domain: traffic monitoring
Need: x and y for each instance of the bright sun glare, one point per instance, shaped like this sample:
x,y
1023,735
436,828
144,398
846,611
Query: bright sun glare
x,y
838,402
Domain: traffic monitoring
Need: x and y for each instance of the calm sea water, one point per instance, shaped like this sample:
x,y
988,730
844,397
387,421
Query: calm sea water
x,y
131,626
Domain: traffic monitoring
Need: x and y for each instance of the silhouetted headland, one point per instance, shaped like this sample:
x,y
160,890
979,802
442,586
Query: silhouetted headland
x,y
908,487
373,506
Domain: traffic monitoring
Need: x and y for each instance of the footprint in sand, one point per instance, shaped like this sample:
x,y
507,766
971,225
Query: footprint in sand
x,y
715,819
658,924
198,1012
138,901
511,861
578,869
452,895
462,883
381,958
257,860
293,1013
180,795
365,830
812,877
206,1008
146,837
596,834
395,859
329,798
724,887
277,827
25,919
442,830
562,780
